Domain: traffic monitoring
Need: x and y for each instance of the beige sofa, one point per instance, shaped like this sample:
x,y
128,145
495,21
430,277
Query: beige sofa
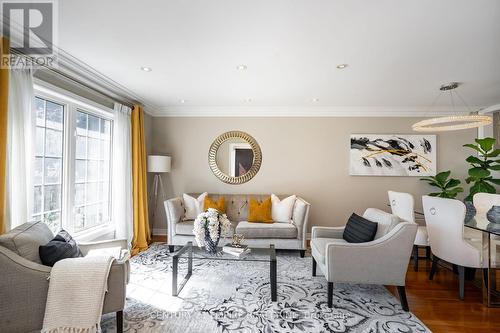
x,y
291,236
24,279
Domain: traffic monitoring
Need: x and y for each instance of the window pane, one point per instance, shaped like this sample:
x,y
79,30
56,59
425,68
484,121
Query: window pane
x,y
92,171
81,123
104,212
53,143
54,116
38,171
105,151
81,147
93,126
105,129
53,220
92,194
53,170
93,149
40,111
79,194
104,170
40,139
92,216
52,196
79,219
103,191
37,204
80,170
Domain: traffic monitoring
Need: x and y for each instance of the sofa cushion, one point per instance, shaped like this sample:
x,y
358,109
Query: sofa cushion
x,y
266,230
318,247
25,240
359,229
184,228
60,247
386,222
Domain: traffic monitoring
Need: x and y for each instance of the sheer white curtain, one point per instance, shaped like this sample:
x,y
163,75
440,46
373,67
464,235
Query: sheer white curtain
x,y
20,138
122,209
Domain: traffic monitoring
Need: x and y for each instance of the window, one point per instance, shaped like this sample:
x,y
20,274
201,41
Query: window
x,y
72,164
48,162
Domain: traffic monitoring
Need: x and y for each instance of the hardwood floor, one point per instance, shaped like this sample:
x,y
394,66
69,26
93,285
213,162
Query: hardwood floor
x,y
436,302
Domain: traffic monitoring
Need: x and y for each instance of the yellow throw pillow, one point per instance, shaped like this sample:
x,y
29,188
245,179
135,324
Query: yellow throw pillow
x,y
260,211
219,205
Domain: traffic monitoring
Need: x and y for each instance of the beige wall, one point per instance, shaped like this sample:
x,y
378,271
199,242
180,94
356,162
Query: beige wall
x,y
305,156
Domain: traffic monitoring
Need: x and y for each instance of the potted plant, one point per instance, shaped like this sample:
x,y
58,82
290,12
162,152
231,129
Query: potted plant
x,y
208,228
480,172
449,188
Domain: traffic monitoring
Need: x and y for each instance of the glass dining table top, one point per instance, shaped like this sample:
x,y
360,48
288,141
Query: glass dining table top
x,y
482,224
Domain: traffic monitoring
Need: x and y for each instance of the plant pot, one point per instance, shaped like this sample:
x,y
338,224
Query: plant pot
x,y
470,210
493,215
210,245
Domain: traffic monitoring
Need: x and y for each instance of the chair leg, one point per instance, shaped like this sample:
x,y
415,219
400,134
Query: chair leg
x,y
415,258
314,267
302,253
119,322
428,252
485,277
461,281
171,248
433,267
330,294
402,298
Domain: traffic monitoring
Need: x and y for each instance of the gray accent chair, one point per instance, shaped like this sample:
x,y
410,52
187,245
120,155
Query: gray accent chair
x,y
24,279
382,261
290,236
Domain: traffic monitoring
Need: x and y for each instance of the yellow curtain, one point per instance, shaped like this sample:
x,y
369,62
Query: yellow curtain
x,y
4,97
142,235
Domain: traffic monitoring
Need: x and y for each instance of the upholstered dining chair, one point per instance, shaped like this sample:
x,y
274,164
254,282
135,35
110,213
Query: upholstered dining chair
x,y
445,225
483,203
403,206
382,261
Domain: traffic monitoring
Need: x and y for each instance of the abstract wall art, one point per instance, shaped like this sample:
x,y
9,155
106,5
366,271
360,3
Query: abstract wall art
x,y
392,155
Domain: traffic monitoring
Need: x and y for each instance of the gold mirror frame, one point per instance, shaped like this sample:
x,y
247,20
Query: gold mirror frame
x,y
212,157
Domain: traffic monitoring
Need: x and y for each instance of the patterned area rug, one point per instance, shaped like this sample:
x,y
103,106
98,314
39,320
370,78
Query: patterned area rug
x,y
229,296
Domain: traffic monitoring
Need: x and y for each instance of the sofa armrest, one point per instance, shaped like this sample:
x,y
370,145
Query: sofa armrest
x,y
174,210
327,232
382,261
119,276
23,287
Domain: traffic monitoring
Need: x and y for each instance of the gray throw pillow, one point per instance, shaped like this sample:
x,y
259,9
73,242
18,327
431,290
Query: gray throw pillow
x,y
60,247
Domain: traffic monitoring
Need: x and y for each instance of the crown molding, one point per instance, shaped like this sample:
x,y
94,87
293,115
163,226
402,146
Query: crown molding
x,y
311,111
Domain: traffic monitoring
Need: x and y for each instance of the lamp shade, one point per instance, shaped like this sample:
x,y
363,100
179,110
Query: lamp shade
x,y
159,163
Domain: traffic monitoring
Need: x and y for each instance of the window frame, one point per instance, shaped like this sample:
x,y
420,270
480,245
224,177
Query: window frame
x,y
73,103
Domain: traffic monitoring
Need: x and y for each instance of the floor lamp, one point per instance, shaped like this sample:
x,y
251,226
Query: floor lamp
x,y
157,164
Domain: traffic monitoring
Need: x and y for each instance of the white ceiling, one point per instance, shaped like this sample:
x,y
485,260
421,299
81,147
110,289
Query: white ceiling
x,y
399,52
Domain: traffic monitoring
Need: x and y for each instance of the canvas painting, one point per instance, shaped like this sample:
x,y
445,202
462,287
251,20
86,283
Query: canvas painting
x,y
393,155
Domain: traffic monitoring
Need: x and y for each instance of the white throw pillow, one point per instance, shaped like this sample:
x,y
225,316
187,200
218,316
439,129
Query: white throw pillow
x,y
282,209
194,206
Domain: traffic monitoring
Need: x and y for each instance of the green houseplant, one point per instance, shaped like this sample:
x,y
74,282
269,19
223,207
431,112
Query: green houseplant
x,y
481,166
449,188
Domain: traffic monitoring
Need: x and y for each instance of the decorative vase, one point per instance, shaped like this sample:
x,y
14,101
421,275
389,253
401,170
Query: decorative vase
x,y
470,210
210,245
493,215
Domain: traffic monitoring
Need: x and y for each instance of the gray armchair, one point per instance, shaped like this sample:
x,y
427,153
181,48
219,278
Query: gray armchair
x,y
24,279
382,261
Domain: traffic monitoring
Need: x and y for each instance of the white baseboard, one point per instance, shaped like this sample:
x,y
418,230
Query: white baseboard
x,y
159,231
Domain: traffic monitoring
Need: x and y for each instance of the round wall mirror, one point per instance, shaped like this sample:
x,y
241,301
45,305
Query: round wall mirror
x,y
235,157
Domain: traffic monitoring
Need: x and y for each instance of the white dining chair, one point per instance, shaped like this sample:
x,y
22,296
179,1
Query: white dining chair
x,y
403,205
483,203
445,226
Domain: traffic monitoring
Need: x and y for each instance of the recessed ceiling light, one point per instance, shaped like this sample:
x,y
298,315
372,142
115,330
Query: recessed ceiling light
x,y
315,100
182,101
241,67
146,69
248,100
342,66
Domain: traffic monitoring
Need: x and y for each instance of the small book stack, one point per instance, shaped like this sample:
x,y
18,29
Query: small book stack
x,y
237,251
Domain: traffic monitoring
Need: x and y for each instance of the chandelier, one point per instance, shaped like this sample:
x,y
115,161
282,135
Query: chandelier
x,y
452,123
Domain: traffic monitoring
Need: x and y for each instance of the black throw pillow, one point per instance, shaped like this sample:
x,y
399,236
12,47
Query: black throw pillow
x,y
60,247
359,230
